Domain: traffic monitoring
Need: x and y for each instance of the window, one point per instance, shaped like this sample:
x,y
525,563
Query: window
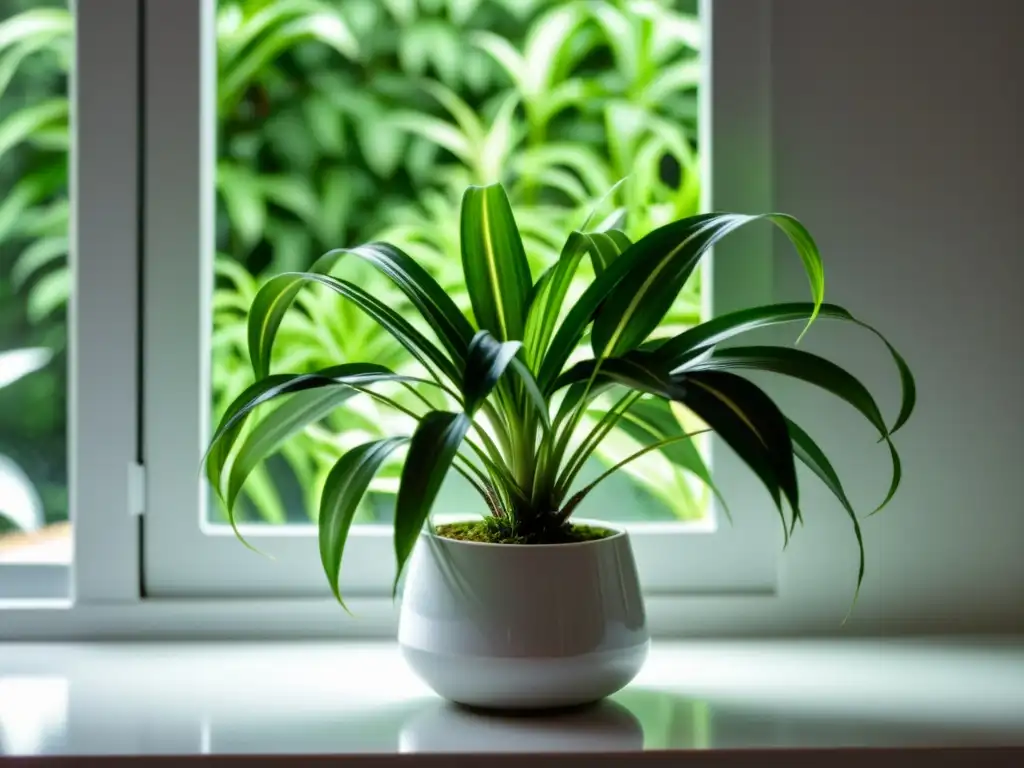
x,y
181,199
369,124
273,135
36,54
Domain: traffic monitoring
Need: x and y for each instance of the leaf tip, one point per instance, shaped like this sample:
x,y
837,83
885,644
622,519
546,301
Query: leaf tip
x,y
849,611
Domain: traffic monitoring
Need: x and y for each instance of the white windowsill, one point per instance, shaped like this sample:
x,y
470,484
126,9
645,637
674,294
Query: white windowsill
x,y
358,699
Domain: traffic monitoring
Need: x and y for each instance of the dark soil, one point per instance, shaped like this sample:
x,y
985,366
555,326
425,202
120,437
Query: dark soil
x,y
495,531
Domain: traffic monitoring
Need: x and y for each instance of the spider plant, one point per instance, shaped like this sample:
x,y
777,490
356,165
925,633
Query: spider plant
x,y
511,402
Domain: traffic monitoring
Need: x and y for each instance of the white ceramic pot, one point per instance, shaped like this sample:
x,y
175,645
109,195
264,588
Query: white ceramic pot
x,y
523,626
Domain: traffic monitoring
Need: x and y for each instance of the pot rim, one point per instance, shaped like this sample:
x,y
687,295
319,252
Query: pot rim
x,y
619,532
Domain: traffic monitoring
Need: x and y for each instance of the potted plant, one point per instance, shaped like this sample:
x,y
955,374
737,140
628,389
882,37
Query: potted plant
x,y
524,607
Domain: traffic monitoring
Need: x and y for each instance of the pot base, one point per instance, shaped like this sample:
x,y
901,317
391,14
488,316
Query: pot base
x,y
524,682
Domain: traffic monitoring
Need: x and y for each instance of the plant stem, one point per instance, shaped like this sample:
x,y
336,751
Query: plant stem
x,y
500,427
582,453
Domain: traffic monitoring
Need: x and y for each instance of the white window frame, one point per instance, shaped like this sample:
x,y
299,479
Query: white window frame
x,y
172,580
102,317
183,560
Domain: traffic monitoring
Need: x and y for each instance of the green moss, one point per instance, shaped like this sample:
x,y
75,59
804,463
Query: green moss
x,y
495,531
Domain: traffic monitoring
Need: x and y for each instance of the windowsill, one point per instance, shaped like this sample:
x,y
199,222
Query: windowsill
x,y
348,698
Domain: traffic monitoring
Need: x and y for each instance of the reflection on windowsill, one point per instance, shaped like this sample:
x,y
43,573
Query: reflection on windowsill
x,y
442,727
359,698
47,546
33,714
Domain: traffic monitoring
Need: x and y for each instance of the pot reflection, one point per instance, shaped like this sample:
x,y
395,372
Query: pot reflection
x,y
444,727
33,714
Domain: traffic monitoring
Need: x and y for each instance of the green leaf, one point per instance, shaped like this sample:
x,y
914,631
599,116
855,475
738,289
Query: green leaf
x,y
460,11
240,24
30,190
679,350
909,388
54,138
381,141
431,43
15,364
431,452
324,124
639,372
805,449
499,142
277,28
548,295
584,161
277,295
486,361
555,179
625,123
35,23
494,262
315,397
505,54
605,247
661,262
547,299
12,59
404,11
547,51
343,491
271,387
243,199
48,294
682,76
339,379
437,131
533,393
623,38
39,254
301,410
337,203
453,330
749,423
800,365
291,243
294,194
577,92
570,332
28,121
48,220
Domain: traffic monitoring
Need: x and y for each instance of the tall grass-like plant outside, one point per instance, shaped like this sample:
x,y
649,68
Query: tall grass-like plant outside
x,y
506,400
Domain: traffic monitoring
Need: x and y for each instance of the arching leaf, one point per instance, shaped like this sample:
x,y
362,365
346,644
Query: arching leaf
x,y
343,491
749,423
431,452
486,362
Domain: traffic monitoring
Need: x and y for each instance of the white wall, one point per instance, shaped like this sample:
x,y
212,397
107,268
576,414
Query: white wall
x,y
897,129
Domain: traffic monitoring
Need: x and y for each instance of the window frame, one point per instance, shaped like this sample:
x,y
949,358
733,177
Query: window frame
x,y
180,165
102,316
127,328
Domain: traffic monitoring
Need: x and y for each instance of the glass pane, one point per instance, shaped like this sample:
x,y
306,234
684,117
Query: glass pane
x,y
36,41
367,119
